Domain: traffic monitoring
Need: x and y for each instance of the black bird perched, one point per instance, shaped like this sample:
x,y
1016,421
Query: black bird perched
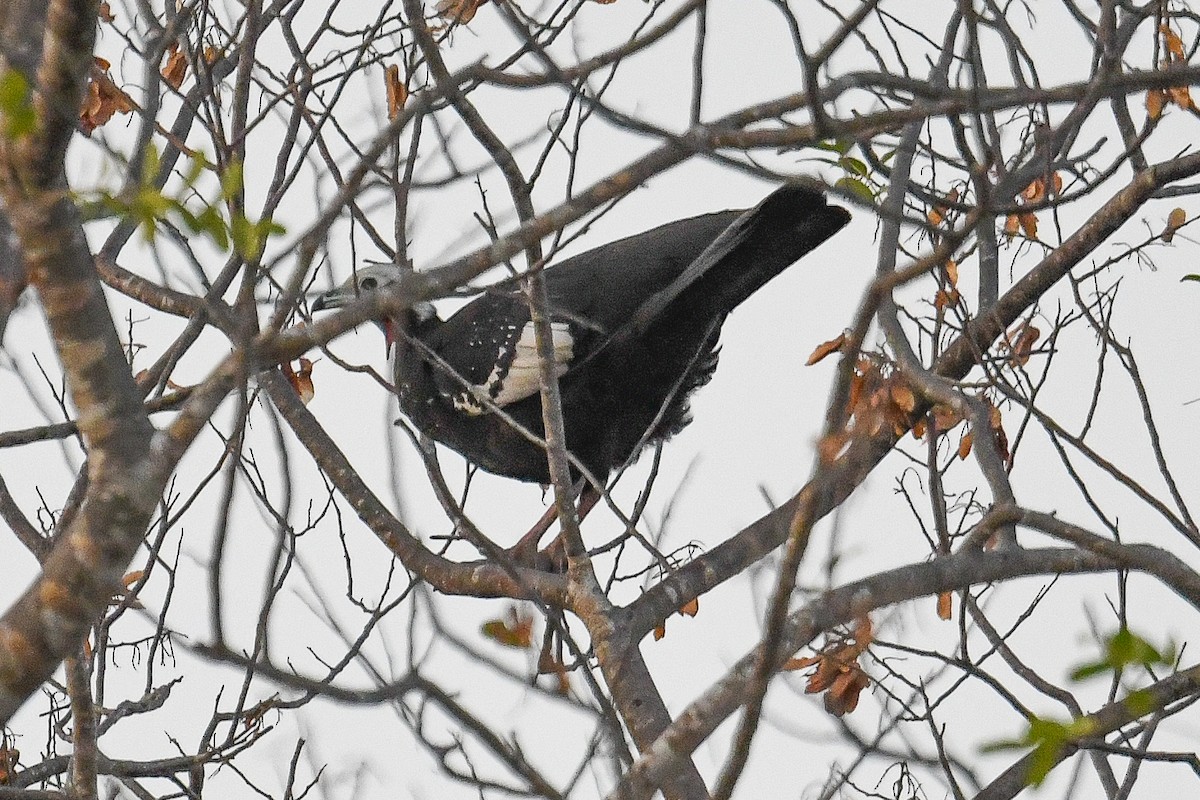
x,y
635,326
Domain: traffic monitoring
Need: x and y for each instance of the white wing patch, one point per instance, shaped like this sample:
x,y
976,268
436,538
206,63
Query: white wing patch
x,y
515,375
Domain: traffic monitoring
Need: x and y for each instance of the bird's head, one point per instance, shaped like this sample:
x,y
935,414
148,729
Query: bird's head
x,y
374,278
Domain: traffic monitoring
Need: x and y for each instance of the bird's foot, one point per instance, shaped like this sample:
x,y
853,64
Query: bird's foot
x,y
526,552
552,559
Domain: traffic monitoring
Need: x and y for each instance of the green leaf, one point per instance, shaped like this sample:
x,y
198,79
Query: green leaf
x,y
196,168
1124,649
1048,738
250,238
1091,670
188,218
1127,648
857,188
209,221
839,146
1192,277
851,164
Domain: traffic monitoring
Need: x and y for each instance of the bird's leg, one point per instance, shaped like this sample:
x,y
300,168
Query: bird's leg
x,y
525,551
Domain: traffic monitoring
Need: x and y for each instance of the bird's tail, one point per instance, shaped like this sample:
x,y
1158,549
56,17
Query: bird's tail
x,y
761,243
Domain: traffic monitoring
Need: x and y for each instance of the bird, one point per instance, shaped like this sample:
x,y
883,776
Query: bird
x,y
635,326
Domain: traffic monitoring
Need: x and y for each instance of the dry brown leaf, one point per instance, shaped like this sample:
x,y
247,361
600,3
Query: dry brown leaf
x,y
938,213
1011,226
944,298
903,397
301,379
964,445
397,92
1181,97
458,11
104,12
1020,343
945,605
825,349
842,697
945,417
514,631
837,670
952,272
793,664
1172,43
102,98
9,757
1156,101
1034,191
175,70
130,578
691,608
1175,221
1028,224
211,55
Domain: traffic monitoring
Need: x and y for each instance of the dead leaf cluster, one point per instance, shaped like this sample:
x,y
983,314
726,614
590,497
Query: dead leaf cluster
x,y
1019,343
1158,99
102,98
1026,222
838,672
515,629
879,397
691,608
940,212
458,12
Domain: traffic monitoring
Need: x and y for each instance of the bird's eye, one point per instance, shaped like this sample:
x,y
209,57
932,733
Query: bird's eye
x,y
368,284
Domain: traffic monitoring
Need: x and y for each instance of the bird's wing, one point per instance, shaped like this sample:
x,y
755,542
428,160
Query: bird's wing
x,y
757,245
490,353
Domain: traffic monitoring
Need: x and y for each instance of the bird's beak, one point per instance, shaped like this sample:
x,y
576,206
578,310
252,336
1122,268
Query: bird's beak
x,y
334,298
